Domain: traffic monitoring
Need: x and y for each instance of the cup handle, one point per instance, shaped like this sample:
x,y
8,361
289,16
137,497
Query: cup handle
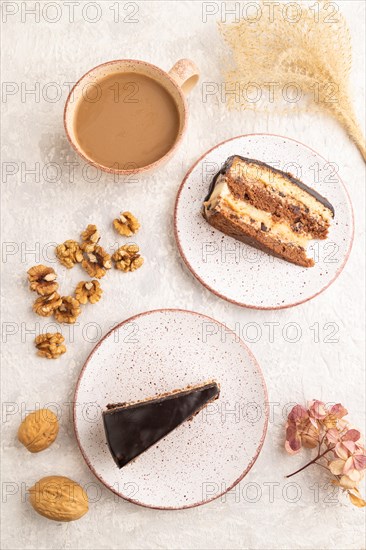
x,y
186,74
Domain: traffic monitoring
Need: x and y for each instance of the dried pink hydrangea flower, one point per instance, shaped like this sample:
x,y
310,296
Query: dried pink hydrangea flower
x,y
339,446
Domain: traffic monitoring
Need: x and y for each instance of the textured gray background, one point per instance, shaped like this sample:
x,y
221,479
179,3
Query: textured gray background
x,y
38,211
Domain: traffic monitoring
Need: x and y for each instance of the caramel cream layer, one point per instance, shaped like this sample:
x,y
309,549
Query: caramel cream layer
x,y
222,198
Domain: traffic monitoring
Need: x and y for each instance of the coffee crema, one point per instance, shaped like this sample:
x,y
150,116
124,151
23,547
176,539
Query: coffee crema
x,y
126,121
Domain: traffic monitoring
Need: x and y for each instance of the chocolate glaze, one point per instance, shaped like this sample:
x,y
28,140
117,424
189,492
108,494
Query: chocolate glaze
x,y
132,429
229,161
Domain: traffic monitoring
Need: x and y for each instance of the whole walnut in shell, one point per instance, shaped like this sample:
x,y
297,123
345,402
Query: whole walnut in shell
x,y
59,498
38,430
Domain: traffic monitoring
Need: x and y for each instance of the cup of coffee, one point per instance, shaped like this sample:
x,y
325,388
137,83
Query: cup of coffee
x,y
128,116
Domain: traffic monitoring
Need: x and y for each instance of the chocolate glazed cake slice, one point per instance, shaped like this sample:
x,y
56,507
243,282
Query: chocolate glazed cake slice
x,y
132,428
267,208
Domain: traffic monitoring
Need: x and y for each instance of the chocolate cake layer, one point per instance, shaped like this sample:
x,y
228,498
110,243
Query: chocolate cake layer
x,y
133,428
260,239
267,208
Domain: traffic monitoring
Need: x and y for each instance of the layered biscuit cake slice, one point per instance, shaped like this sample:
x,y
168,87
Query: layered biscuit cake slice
x,y
267,208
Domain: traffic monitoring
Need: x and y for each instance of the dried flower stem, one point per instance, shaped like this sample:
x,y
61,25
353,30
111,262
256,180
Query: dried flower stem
x,y
314,461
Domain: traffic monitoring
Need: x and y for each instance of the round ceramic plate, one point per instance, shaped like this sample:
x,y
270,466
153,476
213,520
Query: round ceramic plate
x,y
157,352
242,274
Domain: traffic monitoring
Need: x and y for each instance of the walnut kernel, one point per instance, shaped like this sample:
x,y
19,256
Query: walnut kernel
x,y
126,224
42,279
88,291
90,238
50,345
46,305
68,311
96,261
127,258
69,253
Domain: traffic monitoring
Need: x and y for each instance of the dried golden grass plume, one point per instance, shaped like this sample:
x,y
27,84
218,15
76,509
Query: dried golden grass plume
x,y
311,52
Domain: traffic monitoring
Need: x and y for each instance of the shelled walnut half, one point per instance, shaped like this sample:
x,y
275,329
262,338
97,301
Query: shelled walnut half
x,y
127,258
46,305
50,345
96,261
88,291
90,238
68,311
69,253
42,279
126,224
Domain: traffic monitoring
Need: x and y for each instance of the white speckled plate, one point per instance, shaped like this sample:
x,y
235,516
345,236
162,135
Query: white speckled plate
x,y
242,274
161,351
